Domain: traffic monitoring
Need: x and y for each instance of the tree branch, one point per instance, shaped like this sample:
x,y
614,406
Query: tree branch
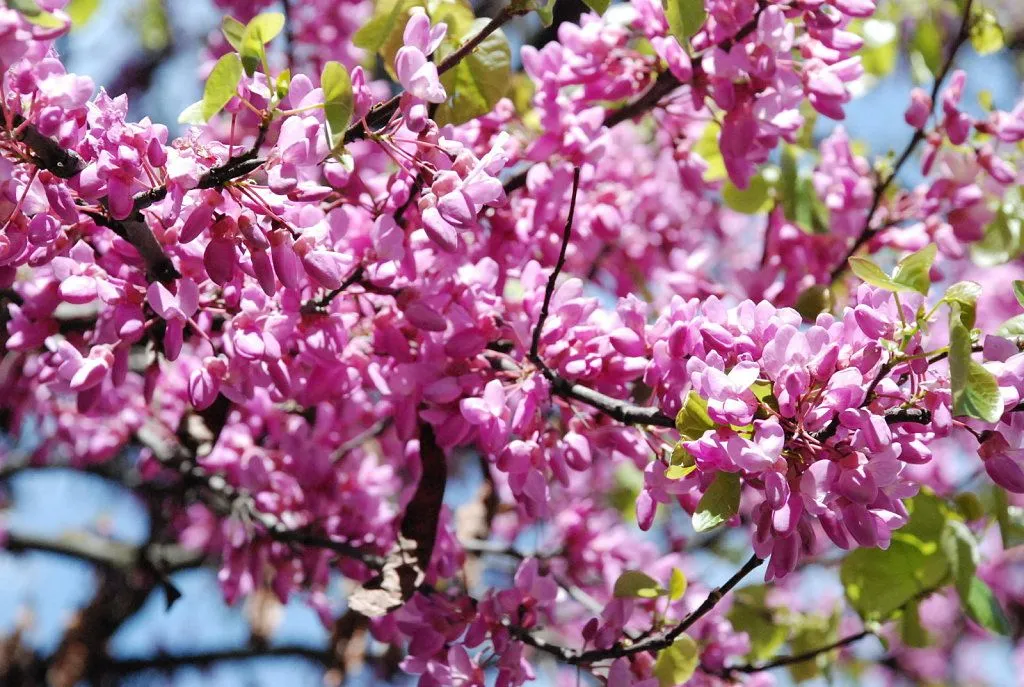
x,y
799,658
867,232
126,666
549,288
108,553
665,83
651,644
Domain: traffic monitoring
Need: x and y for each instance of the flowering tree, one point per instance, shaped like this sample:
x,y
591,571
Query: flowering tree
x,y
629,285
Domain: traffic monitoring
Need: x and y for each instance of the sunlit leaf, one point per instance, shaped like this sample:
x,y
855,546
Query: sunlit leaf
x,y
676,664
719,503
222,85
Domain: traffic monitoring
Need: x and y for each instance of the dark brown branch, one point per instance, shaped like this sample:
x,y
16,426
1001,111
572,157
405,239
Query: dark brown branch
x,y
49,155
801,657
229,500
549,288
651,644
172,662
883,185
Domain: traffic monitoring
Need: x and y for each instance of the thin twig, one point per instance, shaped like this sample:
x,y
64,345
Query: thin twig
x,y
651,644
549,289
866,232
801,657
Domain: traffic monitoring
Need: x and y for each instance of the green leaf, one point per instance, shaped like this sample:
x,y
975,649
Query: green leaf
x,y
750,614
719,503
679,471
546,12
261,30
752,200
961,551
233,31
912,271
283,84
633,584
193,114
813,631
479,81
881,48
708,149
1004,239
81,11
975,390
912,632
676,585
222,85
598,6
984,608
1010,519
1018,291
676,664
870,273
928,43
814,300
35,14
685,17
693,419
338,102
1013,327
879,582
986,33
965,295
389,17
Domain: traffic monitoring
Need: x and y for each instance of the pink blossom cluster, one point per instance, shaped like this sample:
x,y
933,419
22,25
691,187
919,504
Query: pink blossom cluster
x,y
288,314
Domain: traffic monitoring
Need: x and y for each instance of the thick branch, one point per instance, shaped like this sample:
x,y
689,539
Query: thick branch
x,y
107,553
169,662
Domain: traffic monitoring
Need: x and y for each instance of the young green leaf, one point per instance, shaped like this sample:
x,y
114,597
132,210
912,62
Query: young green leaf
x,y
35,14
676,664
233,31
984,608
1013,327
222,85
338,101
719,503
1018,291
986,33
912,632
961,549
870,273
693,419
679,471
965,295
193,114
261,30
912,271
685,17
676,585
81,11
752,200
633,584
479,81
975,390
